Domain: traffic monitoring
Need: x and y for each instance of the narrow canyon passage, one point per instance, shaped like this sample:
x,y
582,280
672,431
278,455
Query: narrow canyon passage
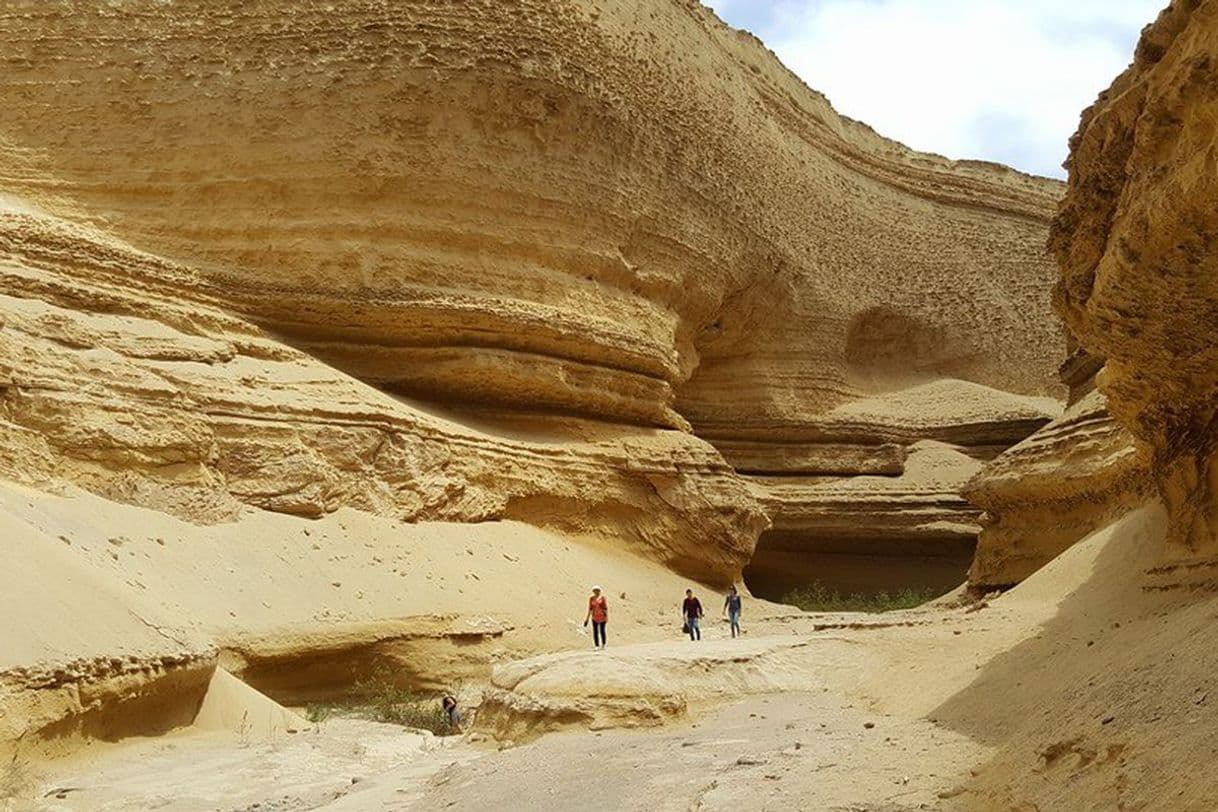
x,y
348,346
789,562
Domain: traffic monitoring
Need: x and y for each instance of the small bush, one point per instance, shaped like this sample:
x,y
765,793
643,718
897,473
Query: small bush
x,y
379,698
318,712
819,598
387,702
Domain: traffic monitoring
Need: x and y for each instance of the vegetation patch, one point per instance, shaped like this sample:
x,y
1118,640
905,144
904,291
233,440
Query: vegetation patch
x,y
378,697
819,598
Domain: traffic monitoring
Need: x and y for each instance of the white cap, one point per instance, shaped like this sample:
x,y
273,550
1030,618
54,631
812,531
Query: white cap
x,y
597,587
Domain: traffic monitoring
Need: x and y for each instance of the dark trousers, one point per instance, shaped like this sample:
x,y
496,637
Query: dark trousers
x,y
598,632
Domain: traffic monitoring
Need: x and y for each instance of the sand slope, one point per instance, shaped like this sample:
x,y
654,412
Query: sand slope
x,y
142,607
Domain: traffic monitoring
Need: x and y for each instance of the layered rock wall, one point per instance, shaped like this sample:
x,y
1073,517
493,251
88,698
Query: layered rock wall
x,y
1072,477
116,374
1137,241
562,204
589,227
886,510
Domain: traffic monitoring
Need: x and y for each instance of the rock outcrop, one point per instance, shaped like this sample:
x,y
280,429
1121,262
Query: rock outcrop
x,y
116,374
1137,241
899,501
1077,474
649,686
588,227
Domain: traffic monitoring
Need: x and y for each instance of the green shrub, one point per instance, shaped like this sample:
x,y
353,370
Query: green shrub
x,y
318,712
380,698
819,598
386,701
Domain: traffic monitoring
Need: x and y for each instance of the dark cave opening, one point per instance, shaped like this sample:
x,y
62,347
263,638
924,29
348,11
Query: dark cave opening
x,y
788,560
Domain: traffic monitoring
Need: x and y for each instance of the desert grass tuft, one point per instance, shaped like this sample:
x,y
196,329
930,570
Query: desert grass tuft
x,y
819,598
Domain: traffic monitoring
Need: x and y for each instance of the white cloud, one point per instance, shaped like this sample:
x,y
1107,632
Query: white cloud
x,y
1002,80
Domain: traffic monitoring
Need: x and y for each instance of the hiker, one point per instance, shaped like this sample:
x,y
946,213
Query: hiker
x,y
598,613
691,610
731,608
454,715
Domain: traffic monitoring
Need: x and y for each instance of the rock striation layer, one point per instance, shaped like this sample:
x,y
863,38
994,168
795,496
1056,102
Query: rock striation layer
x,y
896,497
1135,238
590,227
1077,474
508,202
118,375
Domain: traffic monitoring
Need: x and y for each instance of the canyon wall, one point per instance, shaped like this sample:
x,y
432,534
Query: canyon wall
x,y
1136,238
557,236
1075,475
118,375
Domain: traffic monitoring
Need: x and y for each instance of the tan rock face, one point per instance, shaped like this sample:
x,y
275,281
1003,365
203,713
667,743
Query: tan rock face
x,y
1042,495
1136,242
580,191
900,500
117,375
1073,476
618,211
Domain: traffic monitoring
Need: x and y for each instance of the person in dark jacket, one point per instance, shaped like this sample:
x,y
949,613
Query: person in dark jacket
x,y
451,710
731,608
691,610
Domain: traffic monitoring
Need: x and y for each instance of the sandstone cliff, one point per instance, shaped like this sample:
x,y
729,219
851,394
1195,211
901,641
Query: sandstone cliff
x,y
1136,239
901,502
118,375
1070,478
575,230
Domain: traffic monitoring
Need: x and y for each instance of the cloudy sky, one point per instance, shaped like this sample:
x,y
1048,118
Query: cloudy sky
x,y
1003,80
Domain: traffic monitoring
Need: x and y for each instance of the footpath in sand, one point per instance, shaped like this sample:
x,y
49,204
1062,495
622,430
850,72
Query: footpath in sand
x,y
805,711
812,734
938,708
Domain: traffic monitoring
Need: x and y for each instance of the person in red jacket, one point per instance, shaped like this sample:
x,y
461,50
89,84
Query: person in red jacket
x,y
598,613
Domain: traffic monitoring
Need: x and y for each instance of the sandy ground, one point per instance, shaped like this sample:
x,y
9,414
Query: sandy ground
x,y
850,737
1085,688
787,751
195,770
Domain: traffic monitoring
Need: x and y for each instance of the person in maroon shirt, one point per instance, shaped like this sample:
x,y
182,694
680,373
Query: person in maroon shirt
x,y
691,611
598,613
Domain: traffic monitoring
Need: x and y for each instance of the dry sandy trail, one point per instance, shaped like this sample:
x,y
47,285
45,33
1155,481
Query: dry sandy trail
x,y
939,708
851,738
786,751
